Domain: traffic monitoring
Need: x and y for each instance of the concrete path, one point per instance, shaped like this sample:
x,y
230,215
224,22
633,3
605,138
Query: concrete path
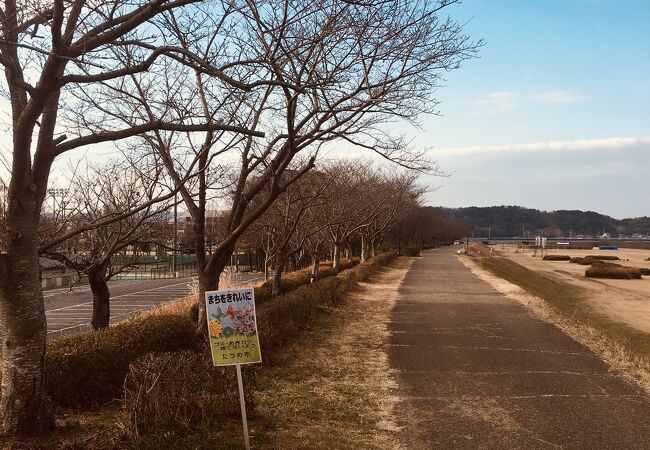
x,y
477,369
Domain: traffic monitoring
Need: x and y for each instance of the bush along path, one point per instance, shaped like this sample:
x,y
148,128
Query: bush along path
x,y
148,383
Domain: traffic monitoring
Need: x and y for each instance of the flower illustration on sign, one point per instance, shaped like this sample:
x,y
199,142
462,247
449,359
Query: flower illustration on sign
x,y
215,328
245,320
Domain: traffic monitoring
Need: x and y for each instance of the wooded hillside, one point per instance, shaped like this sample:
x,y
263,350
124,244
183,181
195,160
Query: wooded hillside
x,y
511,221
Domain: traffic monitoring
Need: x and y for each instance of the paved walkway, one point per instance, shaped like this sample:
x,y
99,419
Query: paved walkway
x,y
478,370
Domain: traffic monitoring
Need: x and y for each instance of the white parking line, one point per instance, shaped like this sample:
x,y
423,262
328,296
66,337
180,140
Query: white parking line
x,y
117,296
83,289
78,316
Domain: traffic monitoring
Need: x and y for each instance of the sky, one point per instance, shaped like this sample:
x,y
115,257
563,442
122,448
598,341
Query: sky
x,y
553,114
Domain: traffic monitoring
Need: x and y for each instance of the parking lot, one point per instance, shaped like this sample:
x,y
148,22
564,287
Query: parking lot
x,y
69,311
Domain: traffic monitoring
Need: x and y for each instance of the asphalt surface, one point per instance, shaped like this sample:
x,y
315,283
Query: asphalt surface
x,y
69,311
477,369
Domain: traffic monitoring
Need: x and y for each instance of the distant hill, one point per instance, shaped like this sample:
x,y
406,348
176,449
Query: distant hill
x,y
511,221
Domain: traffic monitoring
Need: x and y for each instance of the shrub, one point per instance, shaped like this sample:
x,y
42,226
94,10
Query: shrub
x,y
644,271
604,257
180,392
557,258
293,280
613,271
411,251
88,369
591,259
586,261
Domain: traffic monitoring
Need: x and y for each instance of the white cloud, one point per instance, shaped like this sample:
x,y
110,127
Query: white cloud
x,y
498,102
615,143
503,101
558,97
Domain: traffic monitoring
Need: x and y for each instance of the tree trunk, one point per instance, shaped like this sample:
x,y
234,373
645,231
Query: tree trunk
x,y
336,257
24,408
372,248
277,277
207,282
364,249
101,297
266,268
348,251
315,269
209,277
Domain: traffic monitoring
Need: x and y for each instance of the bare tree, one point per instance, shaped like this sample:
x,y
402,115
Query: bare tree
x,y
350,210
293,220
103,192
390,197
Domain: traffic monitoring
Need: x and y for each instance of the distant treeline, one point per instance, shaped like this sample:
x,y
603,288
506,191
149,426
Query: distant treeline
x,y
511,221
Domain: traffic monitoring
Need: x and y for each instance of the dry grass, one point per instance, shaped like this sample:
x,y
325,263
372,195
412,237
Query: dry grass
x,y
564,305
182,306
334,388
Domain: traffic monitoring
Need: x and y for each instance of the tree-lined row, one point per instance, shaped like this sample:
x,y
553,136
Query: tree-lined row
x,y
330,209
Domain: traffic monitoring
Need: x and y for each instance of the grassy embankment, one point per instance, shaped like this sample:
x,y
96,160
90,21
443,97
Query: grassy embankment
x,y
173,398
569,301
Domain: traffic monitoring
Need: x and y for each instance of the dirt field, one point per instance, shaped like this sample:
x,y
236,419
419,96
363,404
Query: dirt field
x,y
626,301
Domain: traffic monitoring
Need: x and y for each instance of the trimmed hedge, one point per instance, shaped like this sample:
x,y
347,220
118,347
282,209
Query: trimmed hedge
x,y
588,260
604,257
557,258
613,271
88,369
411,251
180,392
644,271
293,280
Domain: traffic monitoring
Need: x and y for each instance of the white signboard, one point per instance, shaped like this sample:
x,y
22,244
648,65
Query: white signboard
x,y
232,326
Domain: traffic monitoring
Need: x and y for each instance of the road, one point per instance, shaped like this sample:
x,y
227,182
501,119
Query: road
x,y
69,312
477,369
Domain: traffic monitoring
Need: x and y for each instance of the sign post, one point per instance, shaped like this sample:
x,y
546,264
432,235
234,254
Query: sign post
x,y
232,327
242,403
